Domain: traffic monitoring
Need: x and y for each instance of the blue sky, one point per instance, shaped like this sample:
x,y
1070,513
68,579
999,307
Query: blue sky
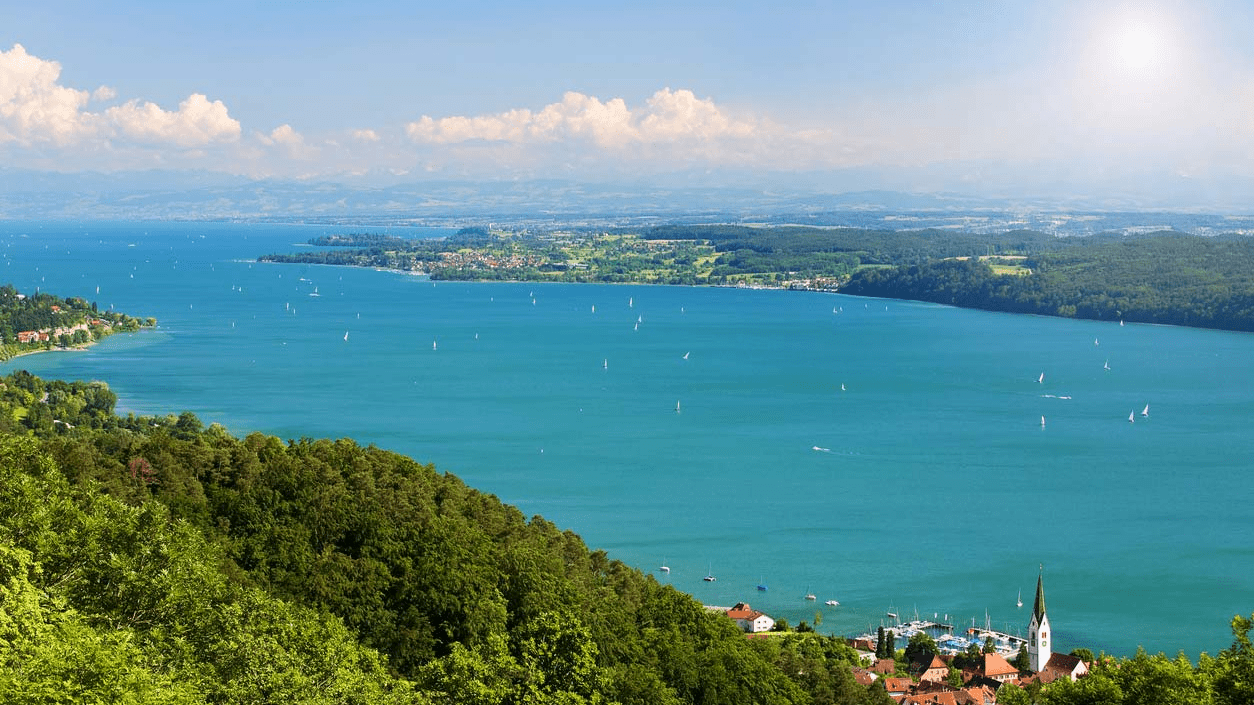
x,y
924,95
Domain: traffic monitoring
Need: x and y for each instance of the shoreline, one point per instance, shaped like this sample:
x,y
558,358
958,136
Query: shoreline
x,y
764,287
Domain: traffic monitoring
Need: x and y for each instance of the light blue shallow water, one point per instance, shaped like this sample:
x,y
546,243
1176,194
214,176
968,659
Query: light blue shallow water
x,y
935,487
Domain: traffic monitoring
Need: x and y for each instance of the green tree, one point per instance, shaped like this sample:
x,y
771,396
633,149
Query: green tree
x,y
921,648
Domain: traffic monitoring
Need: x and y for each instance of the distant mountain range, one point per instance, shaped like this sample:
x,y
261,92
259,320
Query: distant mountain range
x,y
679,197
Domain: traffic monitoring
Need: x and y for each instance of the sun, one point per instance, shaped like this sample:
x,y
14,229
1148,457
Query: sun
x,y
1139,47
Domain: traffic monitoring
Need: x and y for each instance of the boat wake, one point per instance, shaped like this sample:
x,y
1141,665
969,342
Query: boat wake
x,y
822,450
1054,396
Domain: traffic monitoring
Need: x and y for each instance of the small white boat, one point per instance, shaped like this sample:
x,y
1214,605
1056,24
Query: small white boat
x,y
664,568
709,575
1019,599
810,595
1106,366
1042,422
1095,342
676,407
1145,411
346,336
842,386
434,346
832,603
686,355
605,364
594,308
1041,379
629,300
1132,416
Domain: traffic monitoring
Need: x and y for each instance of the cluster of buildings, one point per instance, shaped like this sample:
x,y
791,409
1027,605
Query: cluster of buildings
x,y
473,259
929,681
43,336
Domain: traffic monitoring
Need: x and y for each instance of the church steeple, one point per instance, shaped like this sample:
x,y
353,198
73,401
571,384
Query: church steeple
x,y
1038,629
1038,609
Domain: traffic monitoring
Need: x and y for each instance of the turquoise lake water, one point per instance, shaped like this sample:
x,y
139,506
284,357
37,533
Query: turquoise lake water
x,y
928,484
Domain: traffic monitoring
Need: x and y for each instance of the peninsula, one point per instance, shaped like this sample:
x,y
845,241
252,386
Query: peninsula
x,y
1163,277
42,321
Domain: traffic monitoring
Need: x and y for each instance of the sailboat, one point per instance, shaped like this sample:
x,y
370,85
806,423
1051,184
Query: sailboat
x,y
686,355
346,336
762,585
1106,366
1042,422
664,568
433,345
629,300
1132,416
594,308
1095,342
810,595
605,364
842,386
1019,599
1145,411
677,407
709,575
1041,379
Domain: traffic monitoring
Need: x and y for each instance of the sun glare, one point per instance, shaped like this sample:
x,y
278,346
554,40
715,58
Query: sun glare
x,y
1139,47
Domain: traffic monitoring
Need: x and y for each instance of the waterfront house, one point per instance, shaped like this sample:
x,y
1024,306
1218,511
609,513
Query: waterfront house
x,y
750,619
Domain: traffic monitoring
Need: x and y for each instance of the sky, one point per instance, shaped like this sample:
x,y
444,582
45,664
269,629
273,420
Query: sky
x,y
913,95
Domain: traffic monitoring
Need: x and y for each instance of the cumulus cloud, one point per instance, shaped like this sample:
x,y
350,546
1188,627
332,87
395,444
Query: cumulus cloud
x,y
365,135
197,122
291,142
35,108
667,117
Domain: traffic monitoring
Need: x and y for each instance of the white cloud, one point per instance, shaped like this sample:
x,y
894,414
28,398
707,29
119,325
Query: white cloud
x,y
667,117
291,142
365,135
197,122
33,107
36,109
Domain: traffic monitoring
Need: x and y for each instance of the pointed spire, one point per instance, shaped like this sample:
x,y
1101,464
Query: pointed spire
x,y
1038,609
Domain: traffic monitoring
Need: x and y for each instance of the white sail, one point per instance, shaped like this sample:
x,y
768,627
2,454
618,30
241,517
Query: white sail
x,y
1145,411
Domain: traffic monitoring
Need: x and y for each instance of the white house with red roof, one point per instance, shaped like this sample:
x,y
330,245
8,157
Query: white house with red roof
x,y
750,619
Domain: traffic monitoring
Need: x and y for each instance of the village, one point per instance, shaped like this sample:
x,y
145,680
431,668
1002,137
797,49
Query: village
x,y
949,670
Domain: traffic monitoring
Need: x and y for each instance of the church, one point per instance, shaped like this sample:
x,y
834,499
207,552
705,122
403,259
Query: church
x,y
1040,657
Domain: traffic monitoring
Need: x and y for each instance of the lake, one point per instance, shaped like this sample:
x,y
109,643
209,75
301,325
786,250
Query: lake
x,y
886,454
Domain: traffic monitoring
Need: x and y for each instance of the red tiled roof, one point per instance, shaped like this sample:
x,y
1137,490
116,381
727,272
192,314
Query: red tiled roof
x,y
885,665
996,665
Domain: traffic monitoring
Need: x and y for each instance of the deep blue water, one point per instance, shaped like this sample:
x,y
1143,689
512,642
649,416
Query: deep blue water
x,y
933,487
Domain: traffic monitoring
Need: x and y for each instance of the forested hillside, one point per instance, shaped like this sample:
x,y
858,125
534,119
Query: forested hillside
x,y
1173,279
160,561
